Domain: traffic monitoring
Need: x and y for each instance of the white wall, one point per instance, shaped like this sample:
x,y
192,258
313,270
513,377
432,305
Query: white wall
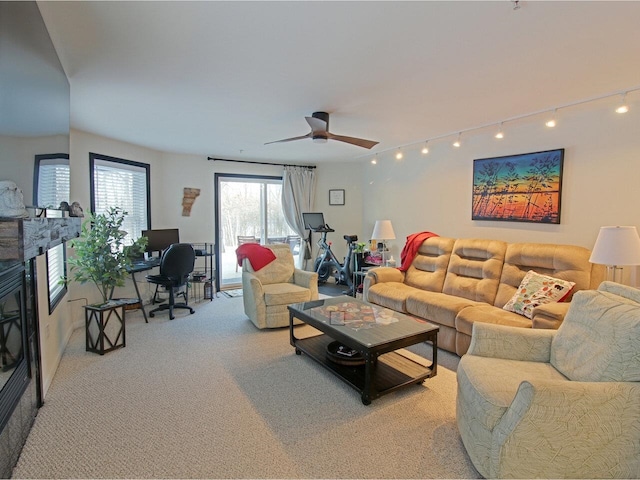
x,y
433,192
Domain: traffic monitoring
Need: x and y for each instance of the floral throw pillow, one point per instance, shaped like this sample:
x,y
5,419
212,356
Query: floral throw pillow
x,y
536,289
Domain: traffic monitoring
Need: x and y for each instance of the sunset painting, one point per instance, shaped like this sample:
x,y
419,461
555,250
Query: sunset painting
x,y
518,188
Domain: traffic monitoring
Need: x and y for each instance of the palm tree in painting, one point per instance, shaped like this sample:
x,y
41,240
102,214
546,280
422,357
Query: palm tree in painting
x,y
485,187
541,175
502,202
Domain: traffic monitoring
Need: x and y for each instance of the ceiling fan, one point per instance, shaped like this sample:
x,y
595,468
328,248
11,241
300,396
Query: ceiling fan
x,y
319,123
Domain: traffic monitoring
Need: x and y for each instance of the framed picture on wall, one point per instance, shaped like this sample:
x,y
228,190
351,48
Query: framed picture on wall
x,y
336,197
518,188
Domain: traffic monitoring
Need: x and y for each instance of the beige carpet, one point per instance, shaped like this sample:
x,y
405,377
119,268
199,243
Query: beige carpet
x,y
210,396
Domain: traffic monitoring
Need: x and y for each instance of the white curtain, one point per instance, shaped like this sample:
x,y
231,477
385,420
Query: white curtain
x,y
298,193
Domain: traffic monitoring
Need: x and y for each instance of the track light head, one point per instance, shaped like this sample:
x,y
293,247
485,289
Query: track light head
x,y
623,107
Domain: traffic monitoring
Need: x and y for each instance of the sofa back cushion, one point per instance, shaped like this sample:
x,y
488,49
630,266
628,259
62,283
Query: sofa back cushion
x,y
278,271
474,269
598,340
429,266
565,262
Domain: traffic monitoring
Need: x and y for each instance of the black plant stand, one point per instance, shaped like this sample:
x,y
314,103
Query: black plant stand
x,y
105,327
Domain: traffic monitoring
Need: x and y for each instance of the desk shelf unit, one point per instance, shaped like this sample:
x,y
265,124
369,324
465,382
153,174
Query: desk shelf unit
x,y
203,278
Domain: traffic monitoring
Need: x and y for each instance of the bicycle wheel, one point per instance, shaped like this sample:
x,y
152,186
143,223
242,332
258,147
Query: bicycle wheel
x,y
324,270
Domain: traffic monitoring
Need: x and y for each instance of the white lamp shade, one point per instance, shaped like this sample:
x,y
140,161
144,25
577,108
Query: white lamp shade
x,y
616,246
383,230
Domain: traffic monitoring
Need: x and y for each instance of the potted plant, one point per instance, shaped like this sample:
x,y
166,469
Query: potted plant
x,y
102,258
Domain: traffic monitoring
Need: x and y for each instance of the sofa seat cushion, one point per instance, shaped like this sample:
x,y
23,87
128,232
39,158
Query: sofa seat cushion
x,y
490,394
488,314
391,295
285,294
438,307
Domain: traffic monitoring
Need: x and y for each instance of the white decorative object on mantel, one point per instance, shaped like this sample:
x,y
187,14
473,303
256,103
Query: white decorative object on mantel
x,y
11,200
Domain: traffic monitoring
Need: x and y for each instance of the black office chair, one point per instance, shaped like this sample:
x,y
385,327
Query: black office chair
x,y
175,266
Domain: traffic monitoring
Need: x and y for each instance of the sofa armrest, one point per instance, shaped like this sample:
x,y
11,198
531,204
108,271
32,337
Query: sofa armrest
x,y
512,343
569,429
306,279
549,315
384,274
252,286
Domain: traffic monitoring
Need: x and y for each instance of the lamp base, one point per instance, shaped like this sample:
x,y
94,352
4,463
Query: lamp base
x,y
614,273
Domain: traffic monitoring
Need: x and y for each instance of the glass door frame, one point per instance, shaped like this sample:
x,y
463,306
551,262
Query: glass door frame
x,y
218,177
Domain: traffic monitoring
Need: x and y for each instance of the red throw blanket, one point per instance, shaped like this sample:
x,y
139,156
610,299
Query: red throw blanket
x,y
410,249
258,255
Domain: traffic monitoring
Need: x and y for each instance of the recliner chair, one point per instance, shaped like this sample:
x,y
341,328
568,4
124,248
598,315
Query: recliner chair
x,y
268,291
536,403
176,264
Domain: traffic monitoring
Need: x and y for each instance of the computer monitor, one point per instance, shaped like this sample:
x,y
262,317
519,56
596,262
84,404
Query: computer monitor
x,y
159,240
313,221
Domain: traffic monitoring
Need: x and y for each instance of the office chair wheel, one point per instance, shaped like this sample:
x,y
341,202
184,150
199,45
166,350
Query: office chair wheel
x,y
151,314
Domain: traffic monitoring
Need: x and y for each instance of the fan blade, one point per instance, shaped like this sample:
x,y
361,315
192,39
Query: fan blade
x,y
360,142
308,135
317,124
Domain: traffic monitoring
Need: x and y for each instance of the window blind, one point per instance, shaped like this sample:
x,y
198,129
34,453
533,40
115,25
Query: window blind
x,y
53,182
55,271
124,186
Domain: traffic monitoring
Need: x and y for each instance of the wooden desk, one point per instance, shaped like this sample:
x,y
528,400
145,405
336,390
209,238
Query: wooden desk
x,y
138,267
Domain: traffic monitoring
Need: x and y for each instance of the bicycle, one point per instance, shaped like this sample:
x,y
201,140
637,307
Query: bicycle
x,y
327,264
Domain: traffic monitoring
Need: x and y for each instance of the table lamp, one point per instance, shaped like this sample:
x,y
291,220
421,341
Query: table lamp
x,y
616,246
383,230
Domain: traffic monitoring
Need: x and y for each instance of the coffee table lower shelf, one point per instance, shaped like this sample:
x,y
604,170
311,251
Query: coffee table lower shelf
x,y
390,371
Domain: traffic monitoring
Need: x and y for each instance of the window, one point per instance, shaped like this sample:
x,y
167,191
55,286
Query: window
x,y
52,180
52,186
124,184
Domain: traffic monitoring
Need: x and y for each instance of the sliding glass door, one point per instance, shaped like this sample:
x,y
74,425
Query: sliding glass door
x,y
248,209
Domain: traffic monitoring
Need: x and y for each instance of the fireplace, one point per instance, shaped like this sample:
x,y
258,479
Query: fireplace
x,y
21,241
20,394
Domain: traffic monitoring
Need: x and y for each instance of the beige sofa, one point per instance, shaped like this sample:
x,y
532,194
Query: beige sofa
x,y
556,403
456,282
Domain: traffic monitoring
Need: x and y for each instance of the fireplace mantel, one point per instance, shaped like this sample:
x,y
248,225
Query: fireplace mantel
x,y
24,238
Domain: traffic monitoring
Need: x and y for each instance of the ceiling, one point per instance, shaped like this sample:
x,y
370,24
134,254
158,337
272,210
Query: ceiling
x,y
223,78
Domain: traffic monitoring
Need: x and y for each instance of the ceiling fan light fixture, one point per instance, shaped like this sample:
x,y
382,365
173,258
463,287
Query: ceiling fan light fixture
x,y
319,123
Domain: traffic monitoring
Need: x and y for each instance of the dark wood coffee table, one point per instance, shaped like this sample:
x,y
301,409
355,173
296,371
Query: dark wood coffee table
x,y
375,333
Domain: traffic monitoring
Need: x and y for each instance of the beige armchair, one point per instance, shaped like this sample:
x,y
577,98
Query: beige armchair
x,y
268,292
556,404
